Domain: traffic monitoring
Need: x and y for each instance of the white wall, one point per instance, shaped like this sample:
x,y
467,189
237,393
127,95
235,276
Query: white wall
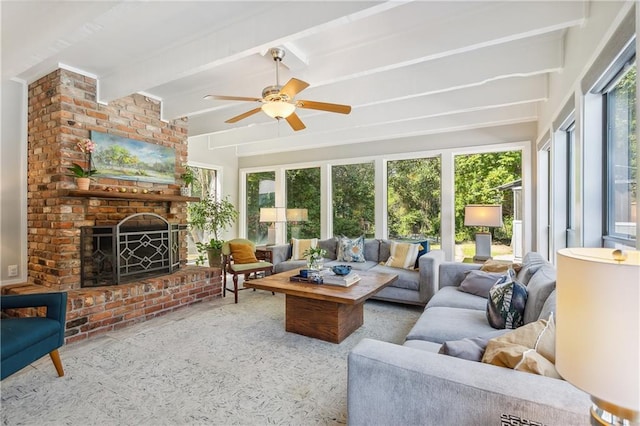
x,y
13,181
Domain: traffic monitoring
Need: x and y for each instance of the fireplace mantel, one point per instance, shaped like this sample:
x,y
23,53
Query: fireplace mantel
x,y
127,195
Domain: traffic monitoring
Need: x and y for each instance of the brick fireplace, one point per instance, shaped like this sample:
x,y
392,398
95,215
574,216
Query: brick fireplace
x,y
62,110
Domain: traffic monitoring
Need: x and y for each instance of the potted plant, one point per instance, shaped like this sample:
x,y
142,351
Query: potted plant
x,y
314,257
211,217
188,178
82,175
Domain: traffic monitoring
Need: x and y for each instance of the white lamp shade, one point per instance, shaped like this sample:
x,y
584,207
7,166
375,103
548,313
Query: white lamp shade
x,y
297,215
483,215
598,324
273,214
278,109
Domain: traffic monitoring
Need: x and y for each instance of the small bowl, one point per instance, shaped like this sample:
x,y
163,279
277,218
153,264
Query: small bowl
x,y
341,269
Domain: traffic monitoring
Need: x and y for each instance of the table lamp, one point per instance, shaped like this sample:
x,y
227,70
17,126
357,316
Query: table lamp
x,y
485,215
598,330
295,216
272,215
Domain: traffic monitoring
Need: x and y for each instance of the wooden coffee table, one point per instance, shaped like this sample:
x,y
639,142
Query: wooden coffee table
x,y
323,311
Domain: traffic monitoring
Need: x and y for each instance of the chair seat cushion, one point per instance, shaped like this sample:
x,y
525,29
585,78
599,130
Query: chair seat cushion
x,y
247,267
21,333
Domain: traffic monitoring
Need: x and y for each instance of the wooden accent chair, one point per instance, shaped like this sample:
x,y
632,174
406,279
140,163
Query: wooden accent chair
x,y
239,257
25,340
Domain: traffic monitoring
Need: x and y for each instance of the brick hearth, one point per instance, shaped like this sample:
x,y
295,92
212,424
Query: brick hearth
x,y
63,109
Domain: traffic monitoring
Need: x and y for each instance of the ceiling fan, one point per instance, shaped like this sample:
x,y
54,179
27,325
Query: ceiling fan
x,y
278,101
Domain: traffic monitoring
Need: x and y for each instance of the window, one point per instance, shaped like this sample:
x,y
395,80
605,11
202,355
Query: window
x,y
490,178
572,175
205,185
303,192
621,153
353,189
413,199
261,192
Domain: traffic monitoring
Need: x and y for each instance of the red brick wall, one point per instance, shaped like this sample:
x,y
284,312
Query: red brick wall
x,y
62,110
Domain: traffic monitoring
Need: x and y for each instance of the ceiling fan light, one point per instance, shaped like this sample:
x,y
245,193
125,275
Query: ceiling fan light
x,y
278,109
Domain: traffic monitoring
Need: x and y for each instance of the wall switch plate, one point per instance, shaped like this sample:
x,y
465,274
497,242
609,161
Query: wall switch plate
x,y
12,270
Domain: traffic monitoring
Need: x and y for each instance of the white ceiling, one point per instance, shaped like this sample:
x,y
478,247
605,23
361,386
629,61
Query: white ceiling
x,y
406,67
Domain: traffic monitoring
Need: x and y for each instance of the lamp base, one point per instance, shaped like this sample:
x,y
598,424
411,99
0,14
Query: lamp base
x,y
271,235
483,247
605,413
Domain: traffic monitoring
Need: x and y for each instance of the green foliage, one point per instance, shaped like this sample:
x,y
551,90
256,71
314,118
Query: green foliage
x,y
189,176
77,171
257,231
211,216
354,200
303,192
413,198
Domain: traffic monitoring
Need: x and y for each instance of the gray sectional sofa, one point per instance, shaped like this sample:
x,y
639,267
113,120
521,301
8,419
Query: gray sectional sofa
x,y
412,286
414,384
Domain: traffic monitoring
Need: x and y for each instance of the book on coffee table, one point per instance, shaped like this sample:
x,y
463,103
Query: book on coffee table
x,y
341,280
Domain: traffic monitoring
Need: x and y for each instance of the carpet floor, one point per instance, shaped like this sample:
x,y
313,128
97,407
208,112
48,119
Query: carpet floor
x,y
212,363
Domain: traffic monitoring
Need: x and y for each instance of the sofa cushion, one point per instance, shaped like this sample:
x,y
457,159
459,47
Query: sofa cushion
x,y
423,345
530,264
479,282
540,286
403,255
530,348
439,324
506,302
469,348
351,250
408,279
371,249
298,247
549,306
331,247
289,265
452,297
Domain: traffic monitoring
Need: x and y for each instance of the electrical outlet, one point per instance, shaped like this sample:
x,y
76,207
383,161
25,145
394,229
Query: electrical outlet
x,y
12,270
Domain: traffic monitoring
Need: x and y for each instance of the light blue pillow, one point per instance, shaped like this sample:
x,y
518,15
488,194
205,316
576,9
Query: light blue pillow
x,y
351,250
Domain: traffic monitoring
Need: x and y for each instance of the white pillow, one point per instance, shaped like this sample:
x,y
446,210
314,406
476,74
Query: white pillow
x,y
300,246
403,255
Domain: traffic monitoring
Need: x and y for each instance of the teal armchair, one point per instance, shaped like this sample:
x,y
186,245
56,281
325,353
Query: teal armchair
x,y
25,340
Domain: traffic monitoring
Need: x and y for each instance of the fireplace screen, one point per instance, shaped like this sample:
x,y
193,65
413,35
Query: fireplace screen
x,y
141,245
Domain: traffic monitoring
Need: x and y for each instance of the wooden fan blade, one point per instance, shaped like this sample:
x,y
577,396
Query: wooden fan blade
x,y
232,98
323,106
244,115
293,87
295,122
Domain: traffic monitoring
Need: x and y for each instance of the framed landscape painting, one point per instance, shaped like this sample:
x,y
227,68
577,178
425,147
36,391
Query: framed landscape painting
x,y
129,159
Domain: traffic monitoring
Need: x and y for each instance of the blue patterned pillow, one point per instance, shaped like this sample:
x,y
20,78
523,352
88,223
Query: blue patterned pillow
x,y
424,248
506,302
351,250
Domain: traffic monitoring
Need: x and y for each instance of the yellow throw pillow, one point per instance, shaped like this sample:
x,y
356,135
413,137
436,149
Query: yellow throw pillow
x,y
242,253
403,255
300,246
530,348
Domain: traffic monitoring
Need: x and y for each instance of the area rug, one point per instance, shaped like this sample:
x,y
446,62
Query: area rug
x,y
212,363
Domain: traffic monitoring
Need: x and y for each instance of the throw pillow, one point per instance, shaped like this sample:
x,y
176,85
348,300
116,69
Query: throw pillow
x,y
530,348
479,282
242,253
471,349
351,250
506,302
424,248
499,266
300,246
403,255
